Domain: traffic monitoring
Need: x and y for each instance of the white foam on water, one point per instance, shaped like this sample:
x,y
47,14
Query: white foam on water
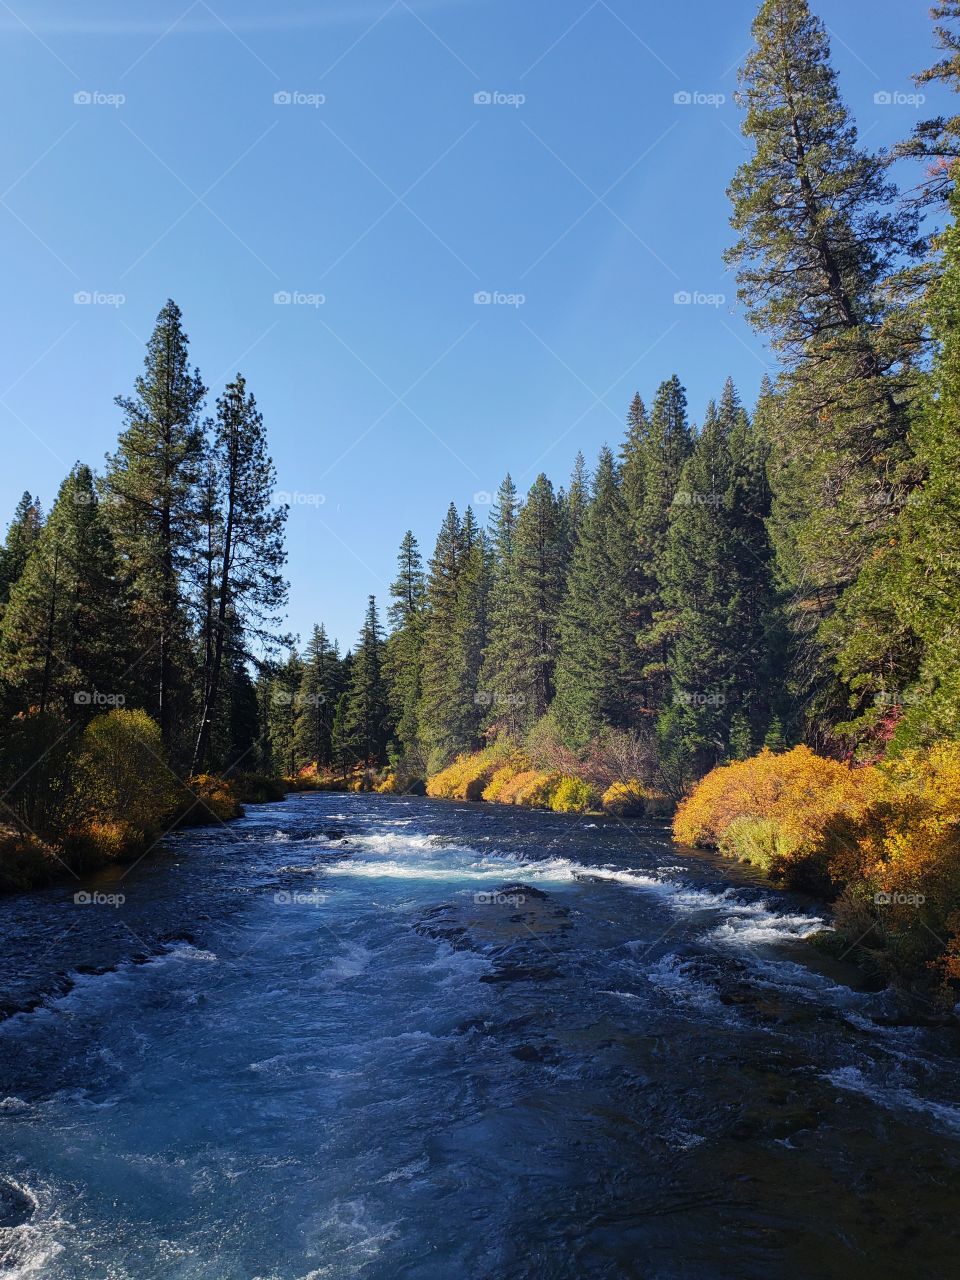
x,y
676,978
353,960
27,1250
893,1097
766,928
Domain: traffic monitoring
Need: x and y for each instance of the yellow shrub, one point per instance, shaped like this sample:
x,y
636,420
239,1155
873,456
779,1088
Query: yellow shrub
x,y
538,790
573,795
122,776
216,799
625,799
800,791
503,776
470,775
109,840
387,785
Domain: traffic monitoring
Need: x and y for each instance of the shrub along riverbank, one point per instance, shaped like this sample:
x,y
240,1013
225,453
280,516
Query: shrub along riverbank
x,y
882,840
115,796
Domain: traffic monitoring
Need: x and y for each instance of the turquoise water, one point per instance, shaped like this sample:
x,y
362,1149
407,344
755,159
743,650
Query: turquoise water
x,y
362,1036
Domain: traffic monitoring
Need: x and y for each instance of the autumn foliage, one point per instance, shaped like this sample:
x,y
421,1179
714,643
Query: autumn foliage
x,y
885,837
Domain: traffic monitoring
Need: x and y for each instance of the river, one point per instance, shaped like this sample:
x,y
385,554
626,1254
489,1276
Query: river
x,y
403,1039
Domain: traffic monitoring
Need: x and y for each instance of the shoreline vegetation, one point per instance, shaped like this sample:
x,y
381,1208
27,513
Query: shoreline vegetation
x,y
752,618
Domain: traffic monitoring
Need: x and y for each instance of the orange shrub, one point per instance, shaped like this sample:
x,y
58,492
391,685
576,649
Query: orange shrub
x,y
792,808
470,775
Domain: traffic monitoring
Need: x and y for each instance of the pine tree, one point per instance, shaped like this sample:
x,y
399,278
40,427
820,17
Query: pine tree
x,y
151,486
700,592
65,635
316,701
724,672
470,632
598,665
248,572
439,715
366,728
518,678
664,453
283,685
573,504
22,534
938,139
819,234
916,578
403,655
633,453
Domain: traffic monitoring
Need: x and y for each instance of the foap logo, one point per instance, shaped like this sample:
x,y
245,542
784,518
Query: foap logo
x,y
885,899
95,98
296,98
85,899
697,98
290,898
482,498
294,498
897,98
487,698
690,498
94,298
697,298
494,98
295,298
701,698
494,298
896,698
508,899
94,698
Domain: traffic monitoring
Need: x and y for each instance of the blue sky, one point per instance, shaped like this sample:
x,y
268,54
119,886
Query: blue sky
x,y
381,197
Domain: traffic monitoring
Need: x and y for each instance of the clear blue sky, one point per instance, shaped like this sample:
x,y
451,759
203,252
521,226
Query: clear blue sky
x,y
398,198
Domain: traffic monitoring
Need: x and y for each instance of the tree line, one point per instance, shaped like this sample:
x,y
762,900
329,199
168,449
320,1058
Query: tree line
x,y
153,586
777,573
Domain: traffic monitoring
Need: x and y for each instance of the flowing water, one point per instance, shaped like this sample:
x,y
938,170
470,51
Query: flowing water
x,y
364,1036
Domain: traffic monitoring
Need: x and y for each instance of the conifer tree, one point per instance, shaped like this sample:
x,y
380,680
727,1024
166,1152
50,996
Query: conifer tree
x,y
700,591
248,571
518,679
471,630
439,714
316,700
633,454
366,728
283,685
573,504
403,654
22,534
65,637
819,234
916,579
938,139
151,484
597,672
667,448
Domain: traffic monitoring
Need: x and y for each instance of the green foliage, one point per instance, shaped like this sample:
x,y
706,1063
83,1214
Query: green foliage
x,y
364,729
152,484
598,667
122,776
65,637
